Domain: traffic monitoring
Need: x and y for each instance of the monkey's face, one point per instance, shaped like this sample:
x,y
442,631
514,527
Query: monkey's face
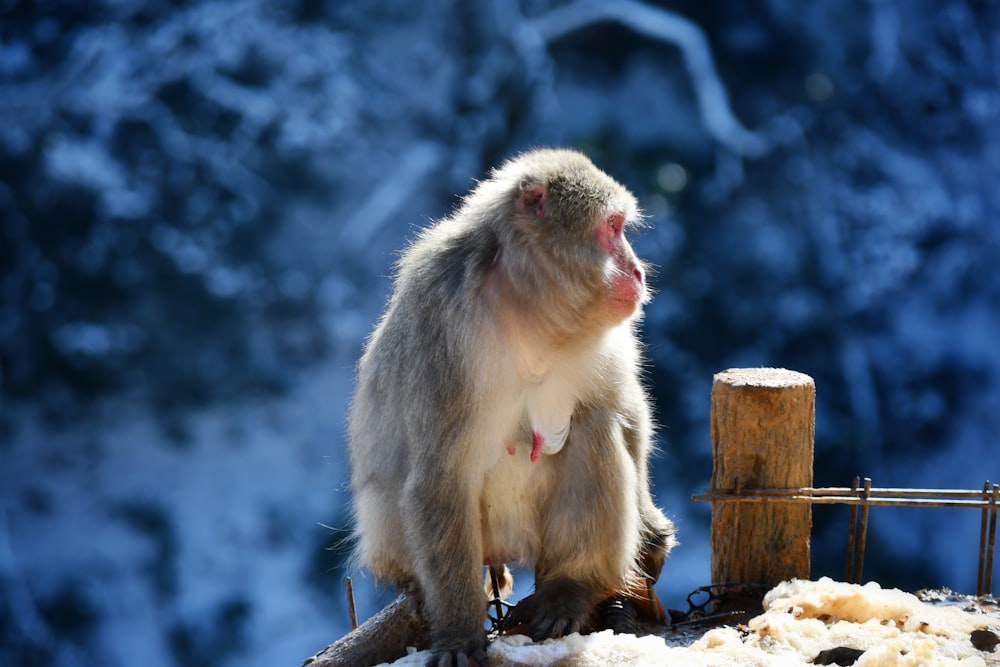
x,y
568,231
593,213
625,280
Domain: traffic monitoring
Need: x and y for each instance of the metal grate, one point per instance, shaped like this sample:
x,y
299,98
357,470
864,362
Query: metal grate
x,y
861,496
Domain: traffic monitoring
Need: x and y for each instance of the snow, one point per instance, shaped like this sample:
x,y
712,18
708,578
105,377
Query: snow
x,y
800,620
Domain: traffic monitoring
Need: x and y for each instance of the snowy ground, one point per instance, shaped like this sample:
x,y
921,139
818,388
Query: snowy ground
x,y
804,622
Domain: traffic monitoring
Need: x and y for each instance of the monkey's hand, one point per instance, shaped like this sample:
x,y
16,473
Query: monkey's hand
x,y
556,608
459,654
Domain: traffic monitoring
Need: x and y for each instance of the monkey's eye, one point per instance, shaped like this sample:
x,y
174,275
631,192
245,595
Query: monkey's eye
x,y
616,221
609,232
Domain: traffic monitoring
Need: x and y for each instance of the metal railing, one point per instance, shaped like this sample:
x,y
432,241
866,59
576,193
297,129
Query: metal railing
x,y
861,496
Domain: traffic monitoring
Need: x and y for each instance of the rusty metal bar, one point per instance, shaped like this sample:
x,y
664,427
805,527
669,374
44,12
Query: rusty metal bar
x,y
863,529
838,492
983,522
841,500
852,533
995,500
848,492
349,590
495,584
848,496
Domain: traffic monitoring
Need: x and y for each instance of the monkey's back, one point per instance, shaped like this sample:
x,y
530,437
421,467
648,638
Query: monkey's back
x,y
414,382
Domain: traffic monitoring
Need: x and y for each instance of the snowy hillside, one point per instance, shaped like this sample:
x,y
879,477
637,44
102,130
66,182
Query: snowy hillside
x,y
200,204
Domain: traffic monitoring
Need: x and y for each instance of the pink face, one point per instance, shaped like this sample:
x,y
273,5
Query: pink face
x,y
627,284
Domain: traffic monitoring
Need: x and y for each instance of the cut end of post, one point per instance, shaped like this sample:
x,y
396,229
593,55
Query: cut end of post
x,y
763,377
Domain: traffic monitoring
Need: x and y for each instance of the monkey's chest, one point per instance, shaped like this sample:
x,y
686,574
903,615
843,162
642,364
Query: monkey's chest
x,y
546,390
547,414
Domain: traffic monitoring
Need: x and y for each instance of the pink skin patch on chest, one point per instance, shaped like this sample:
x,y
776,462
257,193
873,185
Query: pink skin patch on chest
x,y
537,441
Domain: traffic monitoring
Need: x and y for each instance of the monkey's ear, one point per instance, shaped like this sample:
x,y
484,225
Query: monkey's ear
x,y
532,200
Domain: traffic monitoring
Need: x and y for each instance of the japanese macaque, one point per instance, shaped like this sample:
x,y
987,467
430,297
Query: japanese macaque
x,y
499,414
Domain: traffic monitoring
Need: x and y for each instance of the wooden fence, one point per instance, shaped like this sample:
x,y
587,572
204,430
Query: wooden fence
x,y
762,430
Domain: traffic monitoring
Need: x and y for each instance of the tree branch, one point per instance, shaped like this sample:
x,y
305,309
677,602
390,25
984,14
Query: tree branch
x,y
713,102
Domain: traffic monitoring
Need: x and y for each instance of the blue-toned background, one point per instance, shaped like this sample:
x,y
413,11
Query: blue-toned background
x,y
200,203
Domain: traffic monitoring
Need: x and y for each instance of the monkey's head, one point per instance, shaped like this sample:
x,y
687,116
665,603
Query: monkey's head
x,y
569,217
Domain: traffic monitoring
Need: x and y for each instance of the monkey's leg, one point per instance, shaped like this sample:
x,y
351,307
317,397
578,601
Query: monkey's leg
x,y
657,539
657,536
657,533
445,541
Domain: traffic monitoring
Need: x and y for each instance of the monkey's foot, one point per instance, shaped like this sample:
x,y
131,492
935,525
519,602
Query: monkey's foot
x,y
558,607
458,653
458,659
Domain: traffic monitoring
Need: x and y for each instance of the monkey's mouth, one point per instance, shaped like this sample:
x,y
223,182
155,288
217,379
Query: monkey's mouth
x,y
624,308
627,293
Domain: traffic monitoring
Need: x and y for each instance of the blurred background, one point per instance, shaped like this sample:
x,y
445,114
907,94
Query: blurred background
x,y
200,205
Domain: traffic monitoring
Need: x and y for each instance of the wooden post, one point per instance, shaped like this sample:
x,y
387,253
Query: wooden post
x,y
763,423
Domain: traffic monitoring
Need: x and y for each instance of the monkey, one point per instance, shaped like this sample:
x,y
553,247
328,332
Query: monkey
x,y
499,413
